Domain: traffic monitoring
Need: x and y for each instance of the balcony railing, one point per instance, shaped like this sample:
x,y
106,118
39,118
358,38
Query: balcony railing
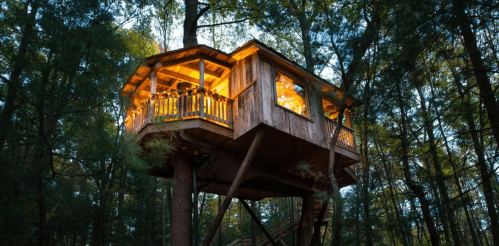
x,y
346,139
181,105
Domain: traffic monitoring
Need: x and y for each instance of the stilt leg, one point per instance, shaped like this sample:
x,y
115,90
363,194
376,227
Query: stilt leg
x,y
317,226
181,230
305,228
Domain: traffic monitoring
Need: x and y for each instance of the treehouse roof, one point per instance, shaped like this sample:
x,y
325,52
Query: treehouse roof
x,y
180,65
183,65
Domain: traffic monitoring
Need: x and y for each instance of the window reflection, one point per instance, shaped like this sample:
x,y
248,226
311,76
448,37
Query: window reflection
x,y
291,95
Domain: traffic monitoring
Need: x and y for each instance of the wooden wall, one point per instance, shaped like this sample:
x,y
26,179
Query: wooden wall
x,y
246,94
252,85
311,129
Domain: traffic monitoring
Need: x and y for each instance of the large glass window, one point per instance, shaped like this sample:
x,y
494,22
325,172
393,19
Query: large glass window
x,y
291,95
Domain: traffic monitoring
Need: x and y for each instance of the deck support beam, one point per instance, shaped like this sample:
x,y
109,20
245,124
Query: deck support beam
x,y
257,221
235,185
182,207
306,225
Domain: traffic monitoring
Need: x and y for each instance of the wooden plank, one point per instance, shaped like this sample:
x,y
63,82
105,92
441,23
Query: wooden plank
x,y
235,185
257,221
267,91
258,94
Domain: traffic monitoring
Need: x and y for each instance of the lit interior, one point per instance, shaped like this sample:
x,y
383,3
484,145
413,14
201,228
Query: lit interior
x,y
331,111
291,95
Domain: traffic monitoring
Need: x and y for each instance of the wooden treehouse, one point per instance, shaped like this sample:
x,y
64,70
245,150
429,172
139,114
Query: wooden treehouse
x,y
246,122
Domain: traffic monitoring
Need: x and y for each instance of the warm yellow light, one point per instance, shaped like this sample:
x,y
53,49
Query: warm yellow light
x,y
291,95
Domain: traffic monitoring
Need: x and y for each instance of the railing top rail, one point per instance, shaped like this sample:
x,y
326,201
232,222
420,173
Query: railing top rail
x,y
335,122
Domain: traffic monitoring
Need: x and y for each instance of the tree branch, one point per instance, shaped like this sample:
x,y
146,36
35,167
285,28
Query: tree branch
x,y
224,23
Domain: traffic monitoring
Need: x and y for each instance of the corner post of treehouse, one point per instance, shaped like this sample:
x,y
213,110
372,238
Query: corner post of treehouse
x,y
201,88
152,92
235,185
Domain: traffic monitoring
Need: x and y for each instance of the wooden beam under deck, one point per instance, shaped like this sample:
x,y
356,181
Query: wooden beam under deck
x,y
235,185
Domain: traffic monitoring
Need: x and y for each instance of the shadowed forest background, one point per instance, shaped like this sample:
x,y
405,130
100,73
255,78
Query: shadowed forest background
x,y
428,131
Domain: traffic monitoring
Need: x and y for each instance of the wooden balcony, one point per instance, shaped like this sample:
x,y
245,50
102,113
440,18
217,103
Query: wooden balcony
x,y
181,105
346,139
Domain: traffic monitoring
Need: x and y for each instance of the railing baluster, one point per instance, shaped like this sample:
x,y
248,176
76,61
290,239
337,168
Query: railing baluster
x,y
177,105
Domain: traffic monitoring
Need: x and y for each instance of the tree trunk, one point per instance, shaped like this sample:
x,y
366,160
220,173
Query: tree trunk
x,y
305,32
121,201
401,229
190,23
365,170
220,241
18,65
337,220
448,213
153,210
42,214
169,206
484,172
482,79
417,189
253,234
181,231
306,226
163,236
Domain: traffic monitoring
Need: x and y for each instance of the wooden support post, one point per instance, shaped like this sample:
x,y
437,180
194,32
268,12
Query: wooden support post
x,y
152,96
235,185
348,122
195,224
305,227
253,235
182,207
257,221
317,226
201,88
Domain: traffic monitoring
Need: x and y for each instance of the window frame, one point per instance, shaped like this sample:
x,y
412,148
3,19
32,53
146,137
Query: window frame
x,y
295,81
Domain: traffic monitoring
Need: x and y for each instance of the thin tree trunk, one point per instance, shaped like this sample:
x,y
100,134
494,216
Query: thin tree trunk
x,y
18,65
365,170
153,211
454,169
402,230
484,170
163,236
220,241
253,234
482,79
418,190
121,201
448,213
169,206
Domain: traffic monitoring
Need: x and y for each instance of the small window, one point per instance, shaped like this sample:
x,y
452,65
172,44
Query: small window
x,y
291,95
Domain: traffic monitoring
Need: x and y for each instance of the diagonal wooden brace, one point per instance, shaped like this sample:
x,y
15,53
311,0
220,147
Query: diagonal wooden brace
x,y
235,185
257,221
